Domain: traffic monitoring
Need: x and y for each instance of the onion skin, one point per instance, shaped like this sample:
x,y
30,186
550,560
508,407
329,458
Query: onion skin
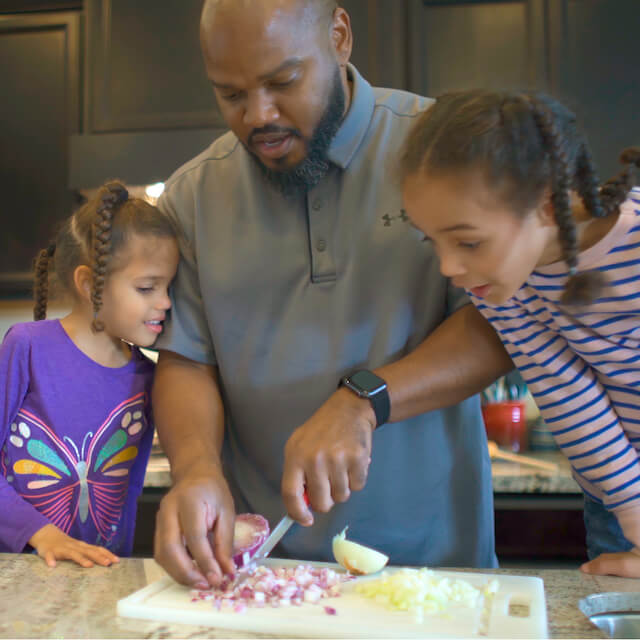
x,y
356,558
250,531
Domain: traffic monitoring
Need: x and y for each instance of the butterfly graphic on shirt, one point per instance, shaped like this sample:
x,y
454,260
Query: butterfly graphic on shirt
x,y
64,481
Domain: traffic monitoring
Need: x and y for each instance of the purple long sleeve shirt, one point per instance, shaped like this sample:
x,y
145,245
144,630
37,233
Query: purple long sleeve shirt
x,y
75,437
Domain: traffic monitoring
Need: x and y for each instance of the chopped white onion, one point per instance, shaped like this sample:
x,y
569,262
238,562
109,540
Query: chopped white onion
x,y
422,591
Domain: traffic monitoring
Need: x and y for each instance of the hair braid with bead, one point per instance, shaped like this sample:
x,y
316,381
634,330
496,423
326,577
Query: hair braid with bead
x,y
41,286
587,184
583,287
115,194
555,144
614,191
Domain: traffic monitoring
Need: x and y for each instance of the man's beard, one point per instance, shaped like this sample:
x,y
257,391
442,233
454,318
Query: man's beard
x,y
309,171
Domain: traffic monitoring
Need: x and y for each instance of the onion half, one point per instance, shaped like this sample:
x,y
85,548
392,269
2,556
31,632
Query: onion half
x,y
356,558
249,532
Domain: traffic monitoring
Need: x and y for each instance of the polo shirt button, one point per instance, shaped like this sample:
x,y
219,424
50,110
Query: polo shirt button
x,y
317,204
321,245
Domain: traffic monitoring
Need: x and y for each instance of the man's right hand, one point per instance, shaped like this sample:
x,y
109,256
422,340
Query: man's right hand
x,y
195,522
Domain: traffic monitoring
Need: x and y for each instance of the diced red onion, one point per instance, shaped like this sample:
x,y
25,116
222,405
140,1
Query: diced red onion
x,y
249,532
280,587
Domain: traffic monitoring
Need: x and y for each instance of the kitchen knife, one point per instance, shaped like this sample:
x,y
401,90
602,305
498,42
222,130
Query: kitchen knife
x,y
276,535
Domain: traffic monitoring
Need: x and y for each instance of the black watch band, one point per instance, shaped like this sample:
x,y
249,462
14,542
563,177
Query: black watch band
x,y
367,384
381,406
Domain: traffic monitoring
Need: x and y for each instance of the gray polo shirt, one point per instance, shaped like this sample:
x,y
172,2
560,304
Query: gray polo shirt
x,y
287,295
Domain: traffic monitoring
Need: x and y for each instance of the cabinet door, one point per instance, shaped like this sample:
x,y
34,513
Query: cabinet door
x,y
39,74
464,45
595,70
145,69
380,43
21,6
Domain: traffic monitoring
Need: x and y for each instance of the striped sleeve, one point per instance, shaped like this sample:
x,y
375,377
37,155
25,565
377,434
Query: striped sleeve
x,y
578,411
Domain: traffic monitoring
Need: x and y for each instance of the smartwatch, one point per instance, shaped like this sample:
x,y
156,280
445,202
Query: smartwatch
x,y
366,384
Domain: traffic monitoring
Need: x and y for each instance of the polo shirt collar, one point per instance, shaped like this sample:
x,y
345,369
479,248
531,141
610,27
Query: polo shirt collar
x,y
356,122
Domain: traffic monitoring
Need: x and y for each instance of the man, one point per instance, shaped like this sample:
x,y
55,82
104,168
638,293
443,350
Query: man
x,y
298,268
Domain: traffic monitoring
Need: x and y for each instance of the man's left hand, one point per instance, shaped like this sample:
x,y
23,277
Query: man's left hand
x,y
329,455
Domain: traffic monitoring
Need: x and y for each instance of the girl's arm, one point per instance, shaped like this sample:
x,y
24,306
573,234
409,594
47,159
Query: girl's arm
x,y
578,411
21,519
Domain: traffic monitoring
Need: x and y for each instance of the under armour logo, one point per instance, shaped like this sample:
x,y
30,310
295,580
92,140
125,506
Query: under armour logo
x,y
388,218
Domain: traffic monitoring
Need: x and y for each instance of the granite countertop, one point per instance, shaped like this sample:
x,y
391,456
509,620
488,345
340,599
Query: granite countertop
x,y
71,602
158,474
512,477
508,477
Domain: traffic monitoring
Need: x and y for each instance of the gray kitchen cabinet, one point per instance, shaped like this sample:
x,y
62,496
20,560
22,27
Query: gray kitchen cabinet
x,y
594,68
582,51
380,49
39,110
144,68
148,106
462,45
24,6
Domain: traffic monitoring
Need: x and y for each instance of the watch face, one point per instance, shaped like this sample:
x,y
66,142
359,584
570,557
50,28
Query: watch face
x,y
367,382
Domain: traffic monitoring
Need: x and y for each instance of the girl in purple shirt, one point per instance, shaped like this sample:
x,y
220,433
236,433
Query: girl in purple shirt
x,y
75,423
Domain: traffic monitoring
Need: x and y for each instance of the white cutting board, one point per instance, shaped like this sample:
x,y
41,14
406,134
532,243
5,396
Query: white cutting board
x,y
357,616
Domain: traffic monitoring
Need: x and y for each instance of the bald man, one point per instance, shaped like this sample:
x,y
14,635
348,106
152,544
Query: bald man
x,y
312,342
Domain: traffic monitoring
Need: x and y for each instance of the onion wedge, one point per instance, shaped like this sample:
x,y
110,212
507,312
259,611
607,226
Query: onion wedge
x,y
356,558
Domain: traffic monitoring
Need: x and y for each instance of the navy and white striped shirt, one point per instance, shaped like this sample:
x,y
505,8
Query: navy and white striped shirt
x,y
583,369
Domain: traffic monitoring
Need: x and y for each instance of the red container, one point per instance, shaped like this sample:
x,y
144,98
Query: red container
x,y
506,425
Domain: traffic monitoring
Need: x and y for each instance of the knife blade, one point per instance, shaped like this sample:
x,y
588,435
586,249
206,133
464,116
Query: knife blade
x,y
276,535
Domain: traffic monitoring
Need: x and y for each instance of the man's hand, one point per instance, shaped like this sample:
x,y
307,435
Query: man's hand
x,y
196,520
625,564
329,454
53,544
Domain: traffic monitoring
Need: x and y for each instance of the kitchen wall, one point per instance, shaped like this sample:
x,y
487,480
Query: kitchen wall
x,y
14,311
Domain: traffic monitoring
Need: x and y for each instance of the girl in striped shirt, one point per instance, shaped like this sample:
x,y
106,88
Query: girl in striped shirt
x,y
503,184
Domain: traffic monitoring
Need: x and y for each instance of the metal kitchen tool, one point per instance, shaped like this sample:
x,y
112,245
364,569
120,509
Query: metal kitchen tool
x,y
616,614
276,535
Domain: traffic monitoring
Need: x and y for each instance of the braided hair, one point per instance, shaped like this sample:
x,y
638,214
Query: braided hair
x,y
524,143
93,236
41,288
614,191
113,195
